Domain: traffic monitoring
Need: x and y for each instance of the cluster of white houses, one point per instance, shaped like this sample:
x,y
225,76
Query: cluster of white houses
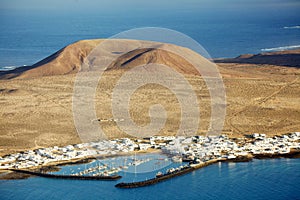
x,y
46,156
207,148
193,147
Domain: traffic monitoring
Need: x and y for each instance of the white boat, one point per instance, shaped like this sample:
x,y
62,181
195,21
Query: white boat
x,y
177,159
159,174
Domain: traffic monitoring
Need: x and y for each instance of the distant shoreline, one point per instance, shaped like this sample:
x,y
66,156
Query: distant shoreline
x,y
277,50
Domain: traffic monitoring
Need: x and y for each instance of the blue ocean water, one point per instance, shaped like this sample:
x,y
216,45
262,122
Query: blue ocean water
x,y
29,36
260,179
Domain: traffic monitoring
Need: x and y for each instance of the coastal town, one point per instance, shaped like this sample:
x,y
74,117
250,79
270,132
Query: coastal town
x,y
192,149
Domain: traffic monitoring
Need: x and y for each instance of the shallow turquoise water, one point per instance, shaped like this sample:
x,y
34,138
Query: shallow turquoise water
x,y
259,179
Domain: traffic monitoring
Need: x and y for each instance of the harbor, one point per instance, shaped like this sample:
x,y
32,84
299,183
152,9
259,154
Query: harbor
x,y
239,174
171,157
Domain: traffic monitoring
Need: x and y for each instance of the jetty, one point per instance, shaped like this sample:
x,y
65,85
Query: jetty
x,y
74,177
163,177
154,180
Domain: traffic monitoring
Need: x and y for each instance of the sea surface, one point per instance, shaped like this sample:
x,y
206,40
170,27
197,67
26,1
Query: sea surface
x,y
260,179
29,36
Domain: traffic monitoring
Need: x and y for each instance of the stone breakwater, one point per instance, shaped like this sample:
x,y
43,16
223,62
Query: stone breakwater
x,y
73,177
164,177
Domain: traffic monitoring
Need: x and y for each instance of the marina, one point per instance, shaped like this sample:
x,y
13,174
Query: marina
x,y
173,156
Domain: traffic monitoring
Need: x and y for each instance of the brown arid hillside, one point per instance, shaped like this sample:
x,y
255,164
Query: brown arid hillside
x,y
263,95
65,61
69,60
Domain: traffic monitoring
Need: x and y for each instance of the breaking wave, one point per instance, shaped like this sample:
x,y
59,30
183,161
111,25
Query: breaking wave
x,y
282,48
7,68
291,27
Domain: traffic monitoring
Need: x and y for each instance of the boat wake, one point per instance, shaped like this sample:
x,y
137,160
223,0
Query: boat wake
x,y
281,48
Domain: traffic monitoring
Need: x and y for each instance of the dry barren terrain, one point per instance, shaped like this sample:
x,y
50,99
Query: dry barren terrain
x,y
36,109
